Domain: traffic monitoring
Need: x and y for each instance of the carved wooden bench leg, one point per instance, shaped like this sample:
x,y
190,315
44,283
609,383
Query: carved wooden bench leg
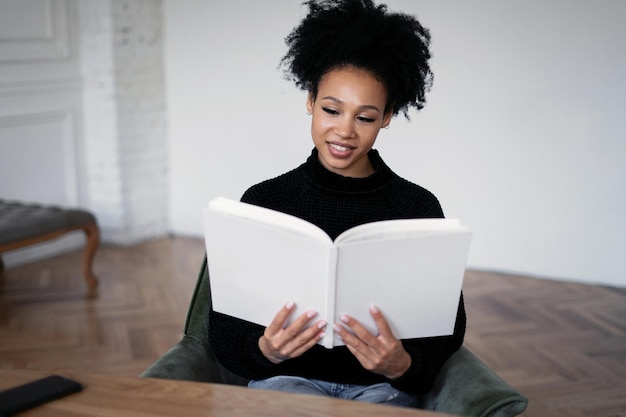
x,y
92,232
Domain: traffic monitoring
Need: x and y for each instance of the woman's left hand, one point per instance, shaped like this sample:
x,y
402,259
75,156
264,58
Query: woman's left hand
x,y
382,354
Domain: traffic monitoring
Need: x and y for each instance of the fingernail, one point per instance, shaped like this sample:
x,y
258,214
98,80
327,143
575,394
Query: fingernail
x,y
311,314
374,309
345,318
321,324
290,305
321,335
337,328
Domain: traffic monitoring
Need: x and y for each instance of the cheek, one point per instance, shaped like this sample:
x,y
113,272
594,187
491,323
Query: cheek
x,y
320,126
315,132
369,135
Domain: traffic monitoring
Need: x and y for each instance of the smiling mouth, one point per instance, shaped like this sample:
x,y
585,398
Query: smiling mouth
x,y
340,148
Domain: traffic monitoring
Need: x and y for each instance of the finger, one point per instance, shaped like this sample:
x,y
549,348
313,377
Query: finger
x,y
300,332
281,317
358,329
304,319
381,322
348,338
290,346
309,338
359,349
282,345
299,324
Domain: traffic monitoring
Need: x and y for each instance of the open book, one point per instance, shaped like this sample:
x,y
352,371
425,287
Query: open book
x,y
260,259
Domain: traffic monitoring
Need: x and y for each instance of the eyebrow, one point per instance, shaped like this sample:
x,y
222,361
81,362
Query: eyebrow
x,y
363,107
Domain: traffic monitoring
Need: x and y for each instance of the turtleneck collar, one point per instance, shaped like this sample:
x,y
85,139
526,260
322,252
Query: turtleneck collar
x,y
335,182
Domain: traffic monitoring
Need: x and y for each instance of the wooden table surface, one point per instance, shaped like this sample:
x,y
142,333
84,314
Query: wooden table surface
x,y
106,395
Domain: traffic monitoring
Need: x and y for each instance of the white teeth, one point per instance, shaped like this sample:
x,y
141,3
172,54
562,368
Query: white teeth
x,y
339,147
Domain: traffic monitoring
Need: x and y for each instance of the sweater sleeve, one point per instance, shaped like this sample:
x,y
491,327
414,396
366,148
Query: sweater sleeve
x,y
235,344
429,354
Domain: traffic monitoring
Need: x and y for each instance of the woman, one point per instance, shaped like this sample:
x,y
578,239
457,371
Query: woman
x,y
361,66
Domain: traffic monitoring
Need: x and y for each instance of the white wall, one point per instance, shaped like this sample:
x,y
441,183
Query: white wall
x,y
522,137
122,68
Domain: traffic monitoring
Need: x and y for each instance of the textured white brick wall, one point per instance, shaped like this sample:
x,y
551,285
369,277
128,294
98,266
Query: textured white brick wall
x,y
124,105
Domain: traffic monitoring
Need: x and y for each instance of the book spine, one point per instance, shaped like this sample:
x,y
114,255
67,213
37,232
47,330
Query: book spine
x,y
331,288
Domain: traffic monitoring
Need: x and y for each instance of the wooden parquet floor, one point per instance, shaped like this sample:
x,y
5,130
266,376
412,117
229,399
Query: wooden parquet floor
x,y
563,345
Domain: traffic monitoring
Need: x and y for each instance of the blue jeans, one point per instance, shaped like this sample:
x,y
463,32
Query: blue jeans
x,y
382,393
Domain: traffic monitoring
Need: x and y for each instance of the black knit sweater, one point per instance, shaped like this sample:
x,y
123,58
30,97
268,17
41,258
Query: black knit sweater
x,y
336,203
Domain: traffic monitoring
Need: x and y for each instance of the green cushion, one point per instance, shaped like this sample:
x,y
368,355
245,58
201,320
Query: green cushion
x,y
466,386
192,359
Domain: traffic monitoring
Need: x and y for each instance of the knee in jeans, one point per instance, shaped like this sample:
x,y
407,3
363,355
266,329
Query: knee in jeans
x,y
293,384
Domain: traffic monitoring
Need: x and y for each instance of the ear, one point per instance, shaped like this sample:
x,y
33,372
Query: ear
x,y
387,119
310,101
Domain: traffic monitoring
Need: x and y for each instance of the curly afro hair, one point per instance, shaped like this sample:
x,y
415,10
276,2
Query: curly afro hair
x,y
394,47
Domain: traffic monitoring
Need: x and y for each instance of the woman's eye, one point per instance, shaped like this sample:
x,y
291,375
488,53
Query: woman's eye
x,y
330,111
367,119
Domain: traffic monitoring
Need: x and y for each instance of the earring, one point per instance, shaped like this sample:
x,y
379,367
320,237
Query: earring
x,y
386,127
308,113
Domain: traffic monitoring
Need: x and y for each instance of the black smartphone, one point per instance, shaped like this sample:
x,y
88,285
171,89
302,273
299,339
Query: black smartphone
x,y
35,393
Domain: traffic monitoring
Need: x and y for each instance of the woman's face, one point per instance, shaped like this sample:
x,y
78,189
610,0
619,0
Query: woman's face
x,y
347,115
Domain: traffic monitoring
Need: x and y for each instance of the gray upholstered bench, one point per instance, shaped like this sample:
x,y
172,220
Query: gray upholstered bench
x,y
26,224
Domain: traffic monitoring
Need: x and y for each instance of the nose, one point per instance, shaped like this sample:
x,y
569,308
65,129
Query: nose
x,y
345,127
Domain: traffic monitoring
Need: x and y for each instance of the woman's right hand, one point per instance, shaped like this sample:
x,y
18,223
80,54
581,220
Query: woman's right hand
x,y
279,344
